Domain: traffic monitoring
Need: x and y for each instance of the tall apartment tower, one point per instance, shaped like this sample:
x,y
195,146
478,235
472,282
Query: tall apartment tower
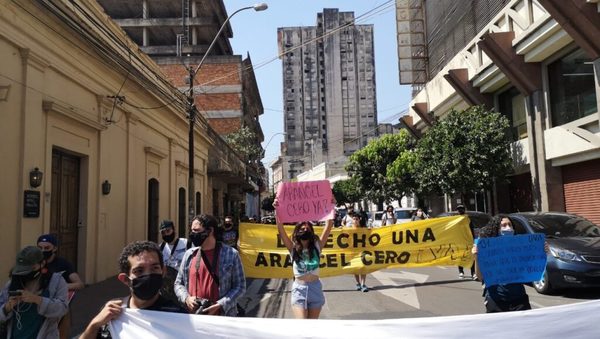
x,y
328,89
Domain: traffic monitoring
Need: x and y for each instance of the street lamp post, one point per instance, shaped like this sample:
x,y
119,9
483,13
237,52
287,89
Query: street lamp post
x,y
192,108
270,139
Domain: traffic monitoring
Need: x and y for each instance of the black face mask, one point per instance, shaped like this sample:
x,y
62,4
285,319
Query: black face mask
x,y
47,254
228,226
146,286
198,238
168,238
304,235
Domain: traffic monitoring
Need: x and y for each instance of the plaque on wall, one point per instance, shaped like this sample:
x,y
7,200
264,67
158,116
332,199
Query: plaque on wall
x,y
31,204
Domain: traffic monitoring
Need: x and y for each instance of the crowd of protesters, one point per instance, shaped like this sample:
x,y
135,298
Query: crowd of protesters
x,y
201,274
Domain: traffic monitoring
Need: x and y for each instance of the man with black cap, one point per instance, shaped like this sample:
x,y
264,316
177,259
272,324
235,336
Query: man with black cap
x,y
460,209
34,300
55,264
48,243
172,248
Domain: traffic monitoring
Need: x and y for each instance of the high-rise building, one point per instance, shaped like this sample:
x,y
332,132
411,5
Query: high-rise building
x,y
328,89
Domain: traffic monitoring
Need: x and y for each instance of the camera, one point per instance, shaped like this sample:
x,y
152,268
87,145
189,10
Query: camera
x,y
203,304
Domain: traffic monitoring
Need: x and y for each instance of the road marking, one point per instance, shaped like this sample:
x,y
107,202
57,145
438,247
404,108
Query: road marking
x,y
406,295
442,267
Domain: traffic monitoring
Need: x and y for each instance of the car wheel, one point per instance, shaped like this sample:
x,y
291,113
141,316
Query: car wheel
x,y
543,285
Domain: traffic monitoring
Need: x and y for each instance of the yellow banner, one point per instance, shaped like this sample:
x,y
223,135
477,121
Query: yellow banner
x,y
430,242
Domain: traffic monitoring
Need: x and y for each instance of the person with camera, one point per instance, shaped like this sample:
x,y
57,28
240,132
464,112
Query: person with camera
x,y
211,277
34,299
141,269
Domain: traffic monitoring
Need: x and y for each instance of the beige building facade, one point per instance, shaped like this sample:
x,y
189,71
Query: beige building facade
x,y
535,61
84,106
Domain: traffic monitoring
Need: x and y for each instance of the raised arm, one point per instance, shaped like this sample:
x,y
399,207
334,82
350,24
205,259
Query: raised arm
x,y
477,269
326,231
284,237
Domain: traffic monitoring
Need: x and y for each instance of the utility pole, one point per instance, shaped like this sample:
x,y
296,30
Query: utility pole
x,y
192,109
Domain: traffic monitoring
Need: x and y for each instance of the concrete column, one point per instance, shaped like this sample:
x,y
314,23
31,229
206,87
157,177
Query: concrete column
x,y
145,39
548,194
597,77
194,28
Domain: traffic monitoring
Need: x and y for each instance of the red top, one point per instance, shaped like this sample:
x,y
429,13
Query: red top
x,y
201,283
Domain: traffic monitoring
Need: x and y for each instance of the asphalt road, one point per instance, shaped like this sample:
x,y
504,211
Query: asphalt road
x,y
395,293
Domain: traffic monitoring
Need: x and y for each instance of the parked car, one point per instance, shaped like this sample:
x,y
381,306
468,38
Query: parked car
x,y
574,258
402,215
479,219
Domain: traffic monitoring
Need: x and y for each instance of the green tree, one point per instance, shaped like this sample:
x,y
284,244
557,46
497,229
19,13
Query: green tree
x,y
369,168
464,152
345,192
267,203
245,142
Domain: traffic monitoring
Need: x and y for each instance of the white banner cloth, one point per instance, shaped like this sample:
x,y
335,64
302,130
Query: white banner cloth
x,y
580,320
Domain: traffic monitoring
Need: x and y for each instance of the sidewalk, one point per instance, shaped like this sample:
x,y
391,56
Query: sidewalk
x,y
88,302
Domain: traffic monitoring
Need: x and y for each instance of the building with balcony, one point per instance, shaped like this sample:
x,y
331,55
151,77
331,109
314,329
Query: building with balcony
x,y
176,34
83,107
535,61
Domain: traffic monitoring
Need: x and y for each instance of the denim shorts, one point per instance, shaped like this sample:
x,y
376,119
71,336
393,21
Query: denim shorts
x,y
308,295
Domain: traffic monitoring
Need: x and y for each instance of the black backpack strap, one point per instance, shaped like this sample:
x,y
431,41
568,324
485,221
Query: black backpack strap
x,y
209,266
162,246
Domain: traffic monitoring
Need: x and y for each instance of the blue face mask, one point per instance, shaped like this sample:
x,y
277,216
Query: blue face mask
x,y
507,231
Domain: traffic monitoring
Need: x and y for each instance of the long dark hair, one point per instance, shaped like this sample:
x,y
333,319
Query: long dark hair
x,y
492,229
298,244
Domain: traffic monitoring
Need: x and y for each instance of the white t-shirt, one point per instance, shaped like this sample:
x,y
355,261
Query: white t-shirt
x,y
173,259
349,221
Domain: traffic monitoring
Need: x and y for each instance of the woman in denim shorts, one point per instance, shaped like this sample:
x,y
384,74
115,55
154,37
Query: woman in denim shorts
x,y
305,250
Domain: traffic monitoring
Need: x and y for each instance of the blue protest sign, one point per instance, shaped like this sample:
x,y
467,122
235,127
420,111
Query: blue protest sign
x,y
511,259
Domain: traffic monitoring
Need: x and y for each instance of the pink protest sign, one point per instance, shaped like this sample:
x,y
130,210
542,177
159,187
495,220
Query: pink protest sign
x,y
304,201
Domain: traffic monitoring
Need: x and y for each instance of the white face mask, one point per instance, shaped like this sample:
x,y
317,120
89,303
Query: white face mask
x,y
506,231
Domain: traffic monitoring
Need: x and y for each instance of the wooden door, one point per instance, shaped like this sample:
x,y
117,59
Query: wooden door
x,y
64,215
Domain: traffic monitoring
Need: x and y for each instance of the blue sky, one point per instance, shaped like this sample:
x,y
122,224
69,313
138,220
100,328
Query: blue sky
x,y
256,33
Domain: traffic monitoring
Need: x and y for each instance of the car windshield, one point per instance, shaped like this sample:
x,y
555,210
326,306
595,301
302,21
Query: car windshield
x,y
564,226
403,214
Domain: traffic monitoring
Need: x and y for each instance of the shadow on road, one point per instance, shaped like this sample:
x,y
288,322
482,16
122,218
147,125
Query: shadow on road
x,y
427,283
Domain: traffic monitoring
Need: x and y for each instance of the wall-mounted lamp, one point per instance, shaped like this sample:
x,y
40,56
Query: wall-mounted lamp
x,y
35,177
106,187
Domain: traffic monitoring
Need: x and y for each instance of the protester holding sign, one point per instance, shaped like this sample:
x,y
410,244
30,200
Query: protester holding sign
x,y
500,297
305,250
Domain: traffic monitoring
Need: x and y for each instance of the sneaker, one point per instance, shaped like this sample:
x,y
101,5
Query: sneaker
x,y
474,276
358,287
364,288
461,275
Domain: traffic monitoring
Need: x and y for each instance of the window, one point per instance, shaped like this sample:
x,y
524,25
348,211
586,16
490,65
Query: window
x,y
572,88
512,105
